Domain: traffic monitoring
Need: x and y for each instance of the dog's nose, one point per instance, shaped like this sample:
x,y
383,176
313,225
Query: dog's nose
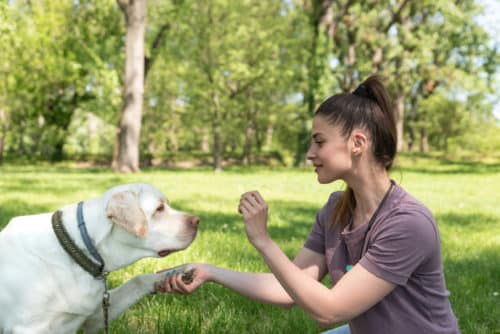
x,y
194,220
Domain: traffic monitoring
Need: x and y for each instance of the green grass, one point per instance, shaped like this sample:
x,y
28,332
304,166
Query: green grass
x,y
464,197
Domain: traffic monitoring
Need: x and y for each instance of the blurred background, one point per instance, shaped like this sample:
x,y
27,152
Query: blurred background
x,y
130,84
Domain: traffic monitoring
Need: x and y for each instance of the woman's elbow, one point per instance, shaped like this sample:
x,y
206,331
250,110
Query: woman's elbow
x,y
328,320
325,322
287,305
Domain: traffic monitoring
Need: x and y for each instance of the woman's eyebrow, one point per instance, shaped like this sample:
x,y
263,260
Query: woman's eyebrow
x,y
315,135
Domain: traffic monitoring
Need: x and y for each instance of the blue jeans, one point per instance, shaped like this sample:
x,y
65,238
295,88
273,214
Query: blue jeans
x,y
339,330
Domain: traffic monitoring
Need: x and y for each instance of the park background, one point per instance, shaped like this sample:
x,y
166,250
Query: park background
x,y
208,99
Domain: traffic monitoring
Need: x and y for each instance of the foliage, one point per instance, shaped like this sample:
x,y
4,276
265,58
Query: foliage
x,y
240,80
57,56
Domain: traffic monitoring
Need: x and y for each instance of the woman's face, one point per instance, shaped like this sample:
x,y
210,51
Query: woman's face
x,y
330,151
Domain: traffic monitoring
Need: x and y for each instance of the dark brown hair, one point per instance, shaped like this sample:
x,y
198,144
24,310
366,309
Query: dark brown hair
x,y
370,108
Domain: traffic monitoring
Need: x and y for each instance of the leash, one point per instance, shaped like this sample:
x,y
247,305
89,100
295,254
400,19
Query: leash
x,y
90,266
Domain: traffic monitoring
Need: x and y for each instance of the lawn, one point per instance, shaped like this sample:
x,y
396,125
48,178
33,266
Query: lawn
x,y
464,197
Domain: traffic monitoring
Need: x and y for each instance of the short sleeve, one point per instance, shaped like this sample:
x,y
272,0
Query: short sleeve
x,y
402,243
316,241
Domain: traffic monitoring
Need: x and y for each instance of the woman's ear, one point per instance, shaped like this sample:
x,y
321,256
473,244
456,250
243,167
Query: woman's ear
x,y
359,141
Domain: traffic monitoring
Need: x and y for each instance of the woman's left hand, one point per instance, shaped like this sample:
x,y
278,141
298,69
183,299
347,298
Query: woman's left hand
x,y
254,211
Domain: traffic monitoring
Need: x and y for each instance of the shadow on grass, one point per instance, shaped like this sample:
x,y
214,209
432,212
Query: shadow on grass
x,y
67,169
297,218
10,209
473,222
474,284
52,169
443,166
33,184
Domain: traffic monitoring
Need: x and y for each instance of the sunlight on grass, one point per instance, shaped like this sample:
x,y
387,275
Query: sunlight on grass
x,y
463,197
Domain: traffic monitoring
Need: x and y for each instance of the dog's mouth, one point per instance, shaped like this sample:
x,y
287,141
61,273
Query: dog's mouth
x,y
165,252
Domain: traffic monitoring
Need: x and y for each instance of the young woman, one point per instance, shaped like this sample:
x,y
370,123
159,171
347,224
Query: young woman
x,y
380,246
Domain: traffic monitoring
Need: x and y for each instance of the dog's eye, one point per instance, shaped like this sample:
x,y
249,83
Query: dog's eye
x,y
161,208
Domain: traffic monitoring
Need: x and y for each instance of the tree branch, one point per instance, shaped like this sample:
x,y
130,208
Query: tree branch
x,y
396,16
155,47
244,87
123,5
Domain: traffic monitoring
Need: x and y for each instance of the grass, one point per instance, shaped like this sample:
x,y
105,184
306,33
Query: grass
x,y
463,196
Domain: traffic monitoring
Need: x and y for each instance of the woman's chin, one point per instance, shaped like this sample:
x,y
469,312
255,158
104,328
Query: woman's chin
x,y
323,180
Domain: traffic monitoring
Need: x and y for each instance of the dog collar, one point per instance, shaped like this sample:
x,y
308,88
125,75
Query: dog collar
x,y
93,268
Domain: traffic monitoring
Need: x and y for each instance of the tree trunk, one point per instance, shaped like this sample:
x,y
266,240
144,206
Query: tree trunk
x,y
269,136
424,143
3,132
303,141
313,75
205,140
400,112
21,149
410,125
216,125
251,129
130,122
247,149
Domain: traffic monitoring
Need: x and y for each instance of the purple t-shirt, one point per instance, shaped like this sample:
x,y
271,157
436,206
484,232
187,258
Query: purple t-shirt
x,y
402,247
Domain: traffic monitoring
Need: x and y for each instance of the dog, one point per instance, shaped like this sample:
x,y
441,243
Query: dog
x,y
43,289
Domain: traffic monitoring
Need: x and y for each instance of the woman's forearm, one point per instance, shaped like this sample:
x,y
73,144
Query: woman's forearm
x,y
308,293
263,287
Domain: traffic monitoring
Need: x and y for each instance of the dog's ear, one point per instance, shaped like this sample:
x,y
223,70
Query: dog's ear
x,y
124,210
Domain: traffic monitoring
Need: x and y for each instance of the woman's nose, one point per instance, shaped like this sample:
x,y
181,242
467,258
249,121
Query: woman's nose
x,y
310,153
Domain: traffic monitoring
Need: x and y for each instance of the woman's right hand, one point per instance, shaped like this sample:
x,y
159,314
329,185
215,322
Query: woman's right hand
x,y
183,279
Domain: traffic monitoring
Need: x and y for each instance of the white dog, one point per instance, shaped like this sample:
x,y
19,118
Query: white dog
x,y
44,290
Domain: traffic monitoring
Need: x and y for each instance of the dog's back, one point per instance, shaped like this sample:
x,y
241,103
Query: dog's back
x,y
34,279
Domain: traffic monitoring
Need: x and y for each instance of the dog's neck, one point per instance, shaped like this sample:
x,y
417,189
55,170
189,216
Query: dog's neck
x,y
114,244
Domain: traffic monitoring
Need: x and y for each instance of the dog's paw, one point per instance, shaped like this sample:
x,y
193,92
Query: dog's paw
x,y
187,276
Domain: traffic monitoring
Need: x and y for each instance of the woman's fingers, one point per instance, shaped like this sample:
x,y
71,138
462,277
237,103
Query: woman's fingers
x,y
173,283
258,198
252,198
170,284
183,281
251,202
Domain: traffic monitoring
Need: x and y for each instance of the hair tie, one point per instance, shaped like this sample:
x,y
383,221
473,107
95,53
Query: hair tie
x,y
363,91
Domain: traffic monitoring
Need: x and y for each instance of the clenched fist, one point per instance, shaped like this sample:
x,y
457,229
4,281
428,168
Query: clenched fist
x,y
254,210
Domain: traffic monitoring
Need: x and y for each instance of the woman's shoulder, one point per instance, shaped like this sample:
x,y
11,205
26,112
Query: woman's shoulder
x,y
334,196
405,215
404,202
332,199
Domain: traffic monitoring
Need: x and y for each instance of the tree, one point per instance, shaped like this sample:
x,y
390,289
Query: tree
x,y
6,37
317,14
127,150
232,59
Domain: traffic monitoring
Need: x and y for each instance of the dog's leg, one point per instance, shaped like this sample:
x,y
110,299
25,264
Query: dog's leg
x,y
121,298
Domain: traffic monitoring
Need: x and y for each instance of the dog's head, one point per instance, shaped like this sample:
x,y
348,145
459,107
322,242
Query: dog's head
x,y
144,213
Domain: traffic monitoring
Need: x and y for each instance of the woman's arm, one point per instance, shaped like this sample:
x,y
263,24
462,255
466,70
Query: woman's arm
x,y
263,287
356,292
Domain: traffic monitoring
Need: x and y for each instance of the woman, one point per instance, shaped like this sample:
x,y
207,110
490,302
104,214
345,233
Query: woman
x,y
380,246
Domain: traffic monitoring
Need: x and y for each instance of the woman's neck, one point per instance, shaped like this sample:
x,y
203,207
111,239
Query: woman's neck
x,y
369,193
